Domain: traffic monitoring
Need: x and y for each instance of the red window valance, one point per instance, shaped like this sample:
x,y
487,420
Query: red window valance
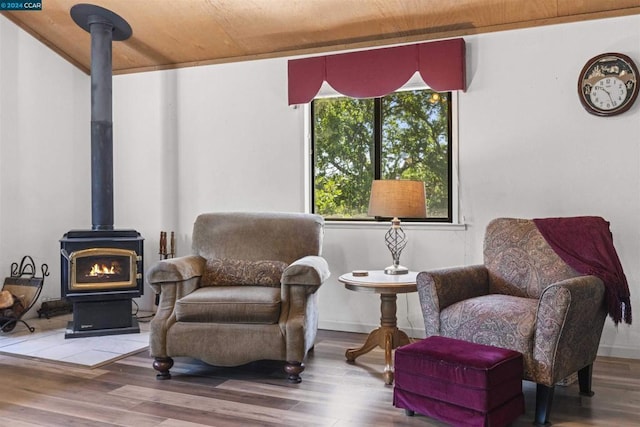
x,y
378,72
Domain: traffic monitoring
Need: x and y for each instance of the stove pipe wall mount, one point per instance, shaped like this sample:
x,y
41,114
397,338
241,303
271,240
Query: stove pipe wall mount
x,y
102,302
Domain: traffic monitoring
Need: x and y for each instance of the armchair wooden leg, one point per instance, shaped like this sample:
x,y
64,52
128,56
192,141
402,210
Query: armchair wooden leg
x,y
162,365
544,398
294,369
584,380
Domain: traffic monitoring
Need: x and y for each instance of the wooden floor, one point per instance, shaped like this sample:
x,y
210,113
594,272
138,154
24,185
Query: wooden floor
x,y
332,393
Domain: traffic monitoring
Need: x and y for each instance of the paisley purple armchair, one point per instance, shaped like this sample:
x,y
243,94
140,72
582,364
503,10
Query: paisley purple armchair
x,y
524,298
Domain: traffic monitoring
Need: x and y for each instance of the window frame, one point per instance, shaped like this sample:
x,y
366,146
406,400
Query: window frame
x,y
453,202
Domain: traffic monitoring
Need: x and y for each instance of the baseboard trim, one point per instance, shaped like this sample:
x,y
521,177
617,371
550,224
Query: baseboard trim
x,y
603,350
364,328
621,352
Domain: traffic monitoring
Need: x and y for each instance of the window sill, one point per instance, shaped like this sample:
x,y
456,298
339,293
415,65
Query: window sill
x,y
353,225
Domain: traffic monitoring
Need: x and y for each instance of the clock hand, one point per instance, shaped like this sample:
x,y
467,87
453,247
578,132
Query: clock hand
x,y
607,92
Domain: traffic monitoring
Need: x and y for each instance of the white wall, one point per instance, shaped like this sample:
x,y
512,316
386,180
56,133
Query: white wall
x,y
527,149
44,153
222,138
217,138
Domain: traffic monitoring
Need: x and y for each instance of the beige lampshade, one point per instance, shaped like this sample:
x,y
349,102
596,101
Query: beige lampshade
x,y
397,198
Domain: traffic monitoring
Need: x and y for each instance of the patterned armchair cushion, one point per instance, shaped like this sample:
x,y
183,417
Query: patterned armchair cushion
x,y
228,272
498,320
519,260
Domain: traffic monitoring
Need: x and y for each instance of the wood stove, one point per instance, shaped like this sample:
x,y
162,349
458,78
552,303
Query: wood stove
x,y
102,271
101,268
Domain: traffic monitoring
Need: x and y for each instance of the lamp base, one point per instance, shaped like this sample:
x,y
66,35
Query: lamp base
x,y
396,269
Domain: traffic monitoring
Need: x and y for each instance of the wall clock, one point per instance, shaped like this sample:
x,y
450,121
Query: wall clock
x,y
608,84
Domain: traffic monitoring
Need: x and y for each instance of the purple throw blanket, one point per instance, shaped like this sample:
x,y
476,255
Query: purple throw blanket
x,y
586,244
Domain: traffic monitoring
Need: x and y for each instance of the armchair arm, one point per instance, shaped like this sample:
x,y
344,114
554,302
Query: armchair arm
x,y
569,323
171,279
309,271
175,270
301,323
300,281
438,289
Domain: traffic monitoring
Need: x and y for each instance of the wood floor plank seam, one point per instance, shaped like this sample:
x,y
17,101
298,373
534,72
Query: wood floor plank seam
x,y
215,406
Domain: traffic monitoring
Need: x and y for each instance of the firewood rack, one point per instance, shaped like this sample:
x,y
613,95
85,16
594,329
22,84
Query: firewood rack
x,y
25,287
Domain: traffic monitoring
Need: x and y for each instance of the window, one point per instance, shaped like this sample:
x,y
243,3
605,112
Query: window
x,y
404,135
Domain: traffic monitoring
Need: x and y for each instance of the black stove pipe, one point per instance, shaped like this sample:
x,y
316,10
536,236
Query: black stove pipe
x,y
101,125
104,26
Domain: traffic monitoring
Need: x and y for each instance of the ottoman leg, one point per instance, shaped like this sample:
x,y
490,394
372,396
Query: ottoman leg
x,y
409,413
544,398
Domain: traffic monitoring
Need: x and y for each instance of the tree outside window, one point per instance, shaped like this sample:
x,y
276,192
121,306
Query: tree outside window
x,y
404,135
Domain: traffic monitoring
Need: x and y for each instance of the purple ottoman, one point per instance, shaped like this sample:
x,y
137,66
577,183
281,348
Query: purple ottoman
x,y
459,382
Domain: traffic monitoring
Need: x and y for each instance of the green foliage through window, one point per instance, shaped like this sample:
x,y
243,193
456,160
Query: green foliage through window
x,y
404,135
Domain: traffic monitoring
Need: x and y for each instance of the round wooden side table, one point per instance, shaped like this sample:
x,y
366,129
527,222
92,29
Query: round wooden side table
x,y
387,336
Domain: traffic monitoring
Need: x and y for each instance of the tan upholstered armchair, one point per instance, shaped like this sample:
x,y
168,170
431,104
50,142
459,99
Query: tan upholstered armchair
x,y
247,292
525,298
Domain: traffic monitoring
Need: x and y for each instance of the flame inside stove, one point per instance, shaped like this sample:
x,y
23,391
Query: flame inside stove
x,y
101,270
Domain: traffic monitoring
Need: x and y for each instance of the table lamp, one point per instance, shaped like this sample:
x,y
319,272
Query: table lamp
x,y
397,198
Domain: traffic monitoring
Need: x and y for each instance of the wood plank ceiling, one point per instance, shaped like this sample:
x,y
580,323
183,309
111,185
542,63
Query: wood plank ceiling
x,y
182,33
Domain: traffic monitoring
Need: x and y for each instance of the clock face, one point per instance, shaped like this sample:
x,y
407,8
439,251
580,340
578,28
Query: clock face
x,y
608,94
608,84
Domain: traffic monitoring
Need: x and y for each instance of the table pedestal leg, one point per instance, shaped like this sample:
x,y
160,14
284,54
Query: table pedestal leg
x,y
387,336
